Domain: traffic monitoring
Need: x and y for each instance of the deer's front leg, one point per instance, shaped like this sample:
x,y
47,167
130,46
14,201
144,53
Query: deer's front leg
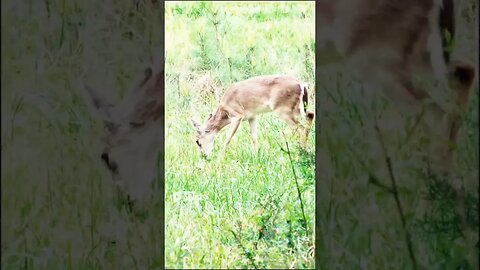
x,y
253,133
233,128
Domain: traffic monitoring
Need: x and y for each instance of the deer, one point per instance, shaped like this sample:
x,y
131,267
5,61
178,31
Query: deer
x,y
389,44
284,95
132,133
402,49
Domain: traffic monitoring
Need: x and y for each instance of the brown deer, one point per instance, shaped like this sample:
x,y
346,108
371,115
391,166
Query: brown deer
x,y
402,48
245,100
133,132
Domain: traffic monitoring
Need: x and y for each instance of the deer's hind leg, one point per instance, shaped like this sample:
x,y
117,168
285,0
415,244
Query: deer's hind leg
x,y
291,118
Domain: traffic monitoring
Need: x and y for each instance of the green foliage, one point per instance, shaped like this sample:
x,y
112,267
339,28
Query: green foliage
x,y
59,209
243,212
224,43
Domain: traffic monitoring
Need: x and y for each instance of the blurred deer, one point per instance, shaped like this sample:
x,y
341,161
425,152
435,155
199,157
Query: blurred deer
x,y
133,132
401,48
284,95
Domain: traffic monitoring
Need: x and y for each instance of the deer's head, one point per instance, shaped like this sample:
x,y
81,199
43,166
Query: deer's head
x,y
133,133
206,133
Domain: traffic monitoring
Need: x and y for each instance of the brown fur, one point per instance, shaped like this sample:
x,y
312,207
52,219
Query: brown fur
x,y
133,134
246,99
386,42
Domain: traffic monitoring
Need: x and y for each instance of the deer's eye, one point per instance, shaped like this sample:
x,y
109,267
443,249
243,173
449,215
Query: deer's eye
x,y
105,158
198,143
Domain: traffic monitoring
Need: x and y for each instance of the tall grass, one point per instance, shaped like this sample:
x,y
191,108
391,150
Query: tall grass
x,y
244,211
58,208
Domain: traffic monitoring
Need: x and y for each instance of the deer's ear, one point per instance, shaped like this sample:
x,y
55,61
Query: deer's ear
x,y
153,82
195,125
147,74
96,102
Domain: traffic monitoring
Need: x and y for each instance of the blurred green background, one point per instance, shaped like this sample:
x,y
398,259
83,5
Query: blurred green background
x,y
359,222
58,206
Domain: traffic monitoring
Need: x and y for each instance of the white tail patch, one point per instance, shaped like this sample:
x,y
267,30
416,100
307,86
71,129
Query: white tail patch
x,y
303,87
435,44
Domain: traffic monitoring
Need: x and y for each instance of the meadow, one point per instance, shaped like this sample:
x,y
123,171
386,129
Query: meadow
x,y
244,211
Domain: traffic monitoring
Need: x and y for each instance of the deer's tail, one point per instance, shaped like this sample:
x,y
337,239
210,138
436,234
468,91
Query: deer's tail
x,y
304,104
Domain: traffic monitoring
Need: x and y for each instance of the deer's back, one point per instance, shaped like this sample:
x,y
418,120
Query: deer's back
x,y
384,28
262,93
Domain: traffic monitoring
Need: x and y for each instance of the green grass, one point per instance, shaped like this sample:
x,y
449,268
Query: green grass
x,y
244,211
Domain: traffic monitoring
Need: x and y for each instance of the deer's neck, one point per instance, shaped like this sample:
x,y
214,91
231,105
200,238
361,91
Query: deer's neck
x,y
218,121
